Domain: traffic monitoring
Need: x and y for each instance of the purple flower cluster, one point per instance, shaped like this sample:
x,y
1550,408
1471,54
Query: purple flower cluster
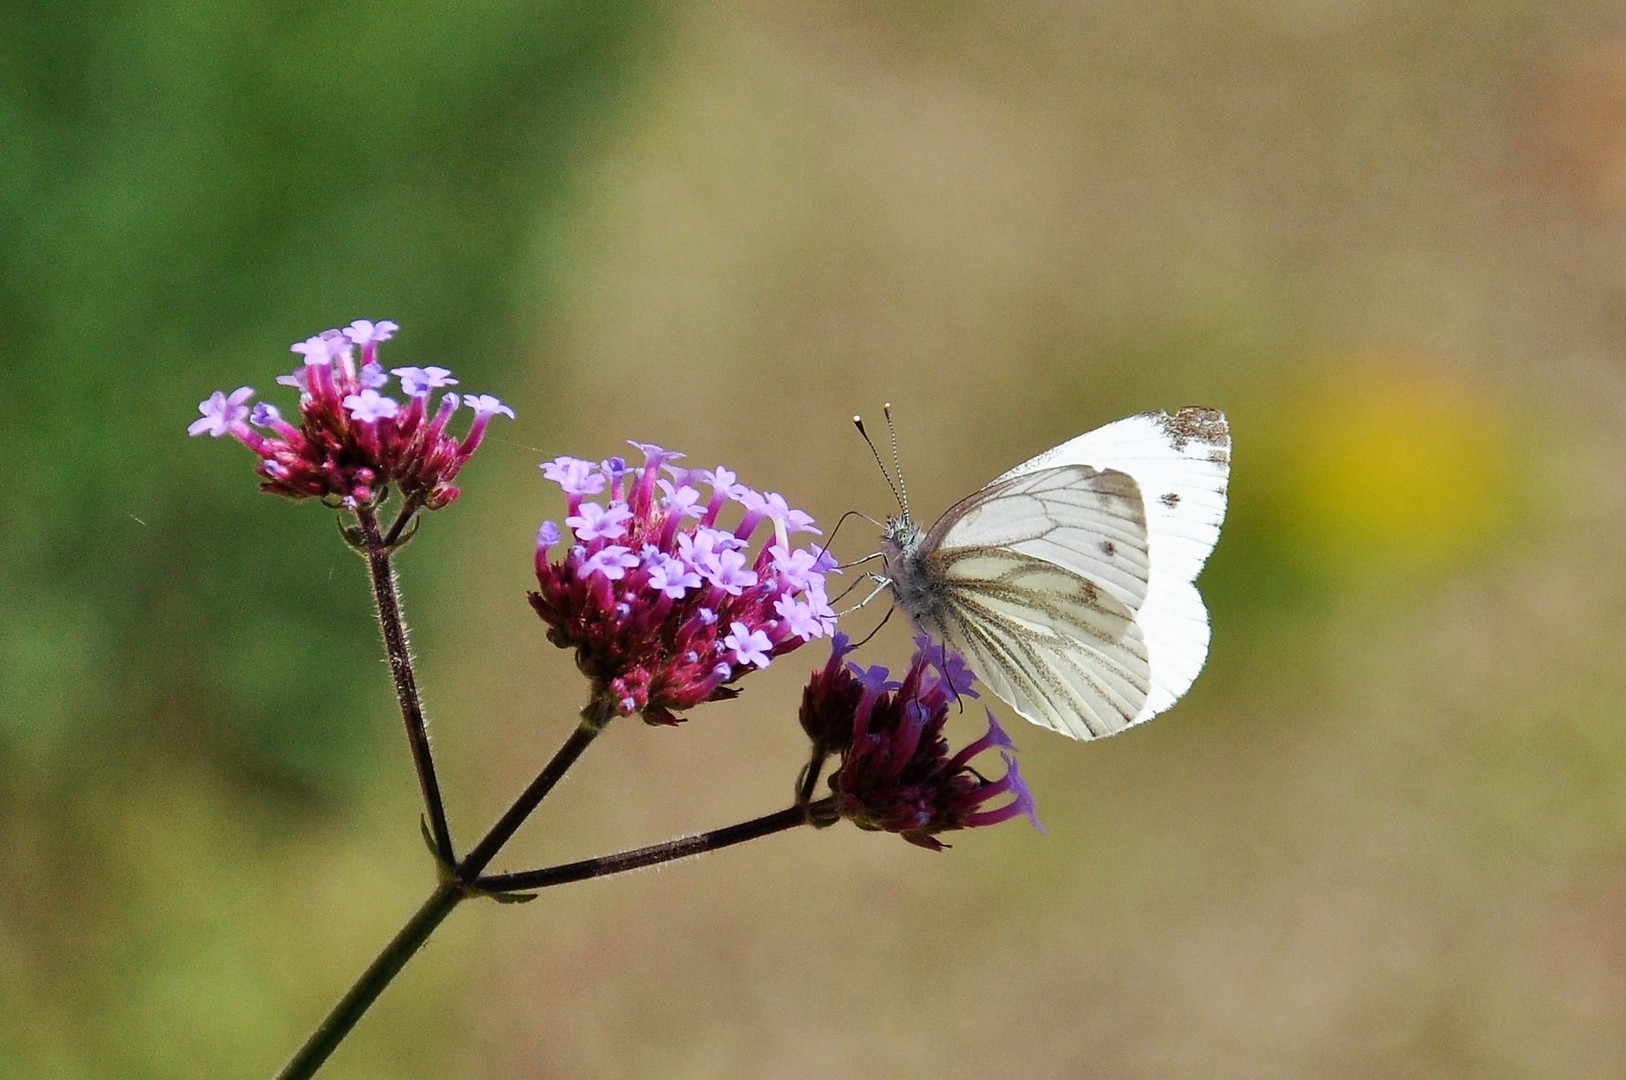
x,y
353,439
896,773
665,605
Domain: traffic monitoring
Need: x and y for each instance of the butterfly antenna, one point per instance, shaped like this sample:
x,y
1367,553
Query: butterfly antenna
x,y
858,422
825,547
897,461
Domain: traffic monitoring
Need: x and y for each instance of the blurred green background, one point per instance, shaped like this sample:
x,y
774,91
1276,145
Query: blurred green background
x,y
1385,835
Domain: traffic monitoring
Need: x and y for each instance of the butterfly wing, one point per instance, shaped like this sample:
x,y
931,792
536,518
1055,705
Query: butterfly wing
x,y
1182,464
1081,671
1037,579
1077,517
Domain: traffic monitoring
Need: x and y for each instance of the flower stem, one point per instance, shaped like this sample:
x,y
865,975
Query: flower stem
x,y
810,775
681,848
456,888
326,1038
406,685
594,718
405,518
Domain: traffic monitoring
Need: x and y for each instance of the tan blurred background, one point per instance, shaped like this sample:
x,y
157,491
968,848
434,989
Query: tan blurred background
x,y
1385,834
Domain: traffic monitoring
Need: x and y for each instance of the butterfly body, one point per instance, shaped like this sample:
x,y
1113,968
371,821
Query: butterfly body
x,y
1067,582
915,584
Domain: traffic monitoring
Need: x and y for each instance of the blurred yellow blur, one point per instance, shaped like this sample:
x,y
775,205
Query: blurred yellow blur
x,y
1385,468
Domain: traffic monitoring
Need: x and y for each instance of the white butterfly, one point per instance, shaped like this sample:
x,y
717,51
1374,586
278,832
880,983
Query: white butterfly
x,y
1067,583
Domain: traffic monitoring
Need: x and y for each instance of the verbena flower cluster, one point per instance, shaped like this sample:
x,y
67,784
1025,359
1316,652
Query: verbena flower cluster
x,y
665,604
353,438
897,773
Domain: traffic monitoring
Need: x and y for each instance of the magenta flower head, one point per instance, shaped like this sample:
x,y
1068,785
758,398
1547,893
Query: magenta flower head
x,y
666,604
896,772
353,438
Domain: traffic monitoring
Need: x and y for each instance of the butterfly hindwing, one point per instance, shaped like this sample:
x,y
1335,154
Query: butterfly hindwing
x,y
1067,664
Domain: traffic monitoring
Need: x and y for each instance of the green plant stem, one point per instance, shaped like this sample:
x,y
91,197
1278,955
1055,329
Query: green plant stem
x,y
594,718
406,685
681,848
327,1036
403,519
389,963
457,887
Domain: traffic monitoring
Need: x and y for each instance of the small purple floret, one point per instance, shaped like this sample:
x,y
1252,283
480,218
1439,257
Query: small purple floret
x,y
365,332
727,571
222,414
484,405
680,499
749,646
574,475
594,522
418,382
370,406
654,456
805,620
612,562
316,349
672,576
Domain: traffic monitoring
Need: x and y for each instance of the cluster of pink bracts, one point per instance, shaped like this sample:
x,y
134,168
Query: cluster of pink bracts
x,y
352,440
664,604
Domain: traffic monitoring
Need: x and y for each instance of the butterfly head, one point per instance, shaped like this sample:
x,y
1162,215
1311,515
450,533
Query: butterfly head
x,y
901,536
908,572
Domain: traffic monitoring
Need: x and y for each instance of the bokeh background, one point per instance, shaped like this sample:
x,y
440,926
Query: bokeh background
x,y
1385,835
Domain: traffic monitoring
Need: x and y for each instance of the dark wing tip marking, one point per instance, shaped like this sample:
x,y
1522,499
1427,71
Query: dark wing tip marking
x,y
1196,423
1108,548
1171,499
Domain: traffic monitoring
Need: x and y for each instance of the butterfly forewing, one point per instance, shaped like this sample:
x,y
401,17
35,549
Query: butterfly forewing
x,y
1081,519
1183,465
